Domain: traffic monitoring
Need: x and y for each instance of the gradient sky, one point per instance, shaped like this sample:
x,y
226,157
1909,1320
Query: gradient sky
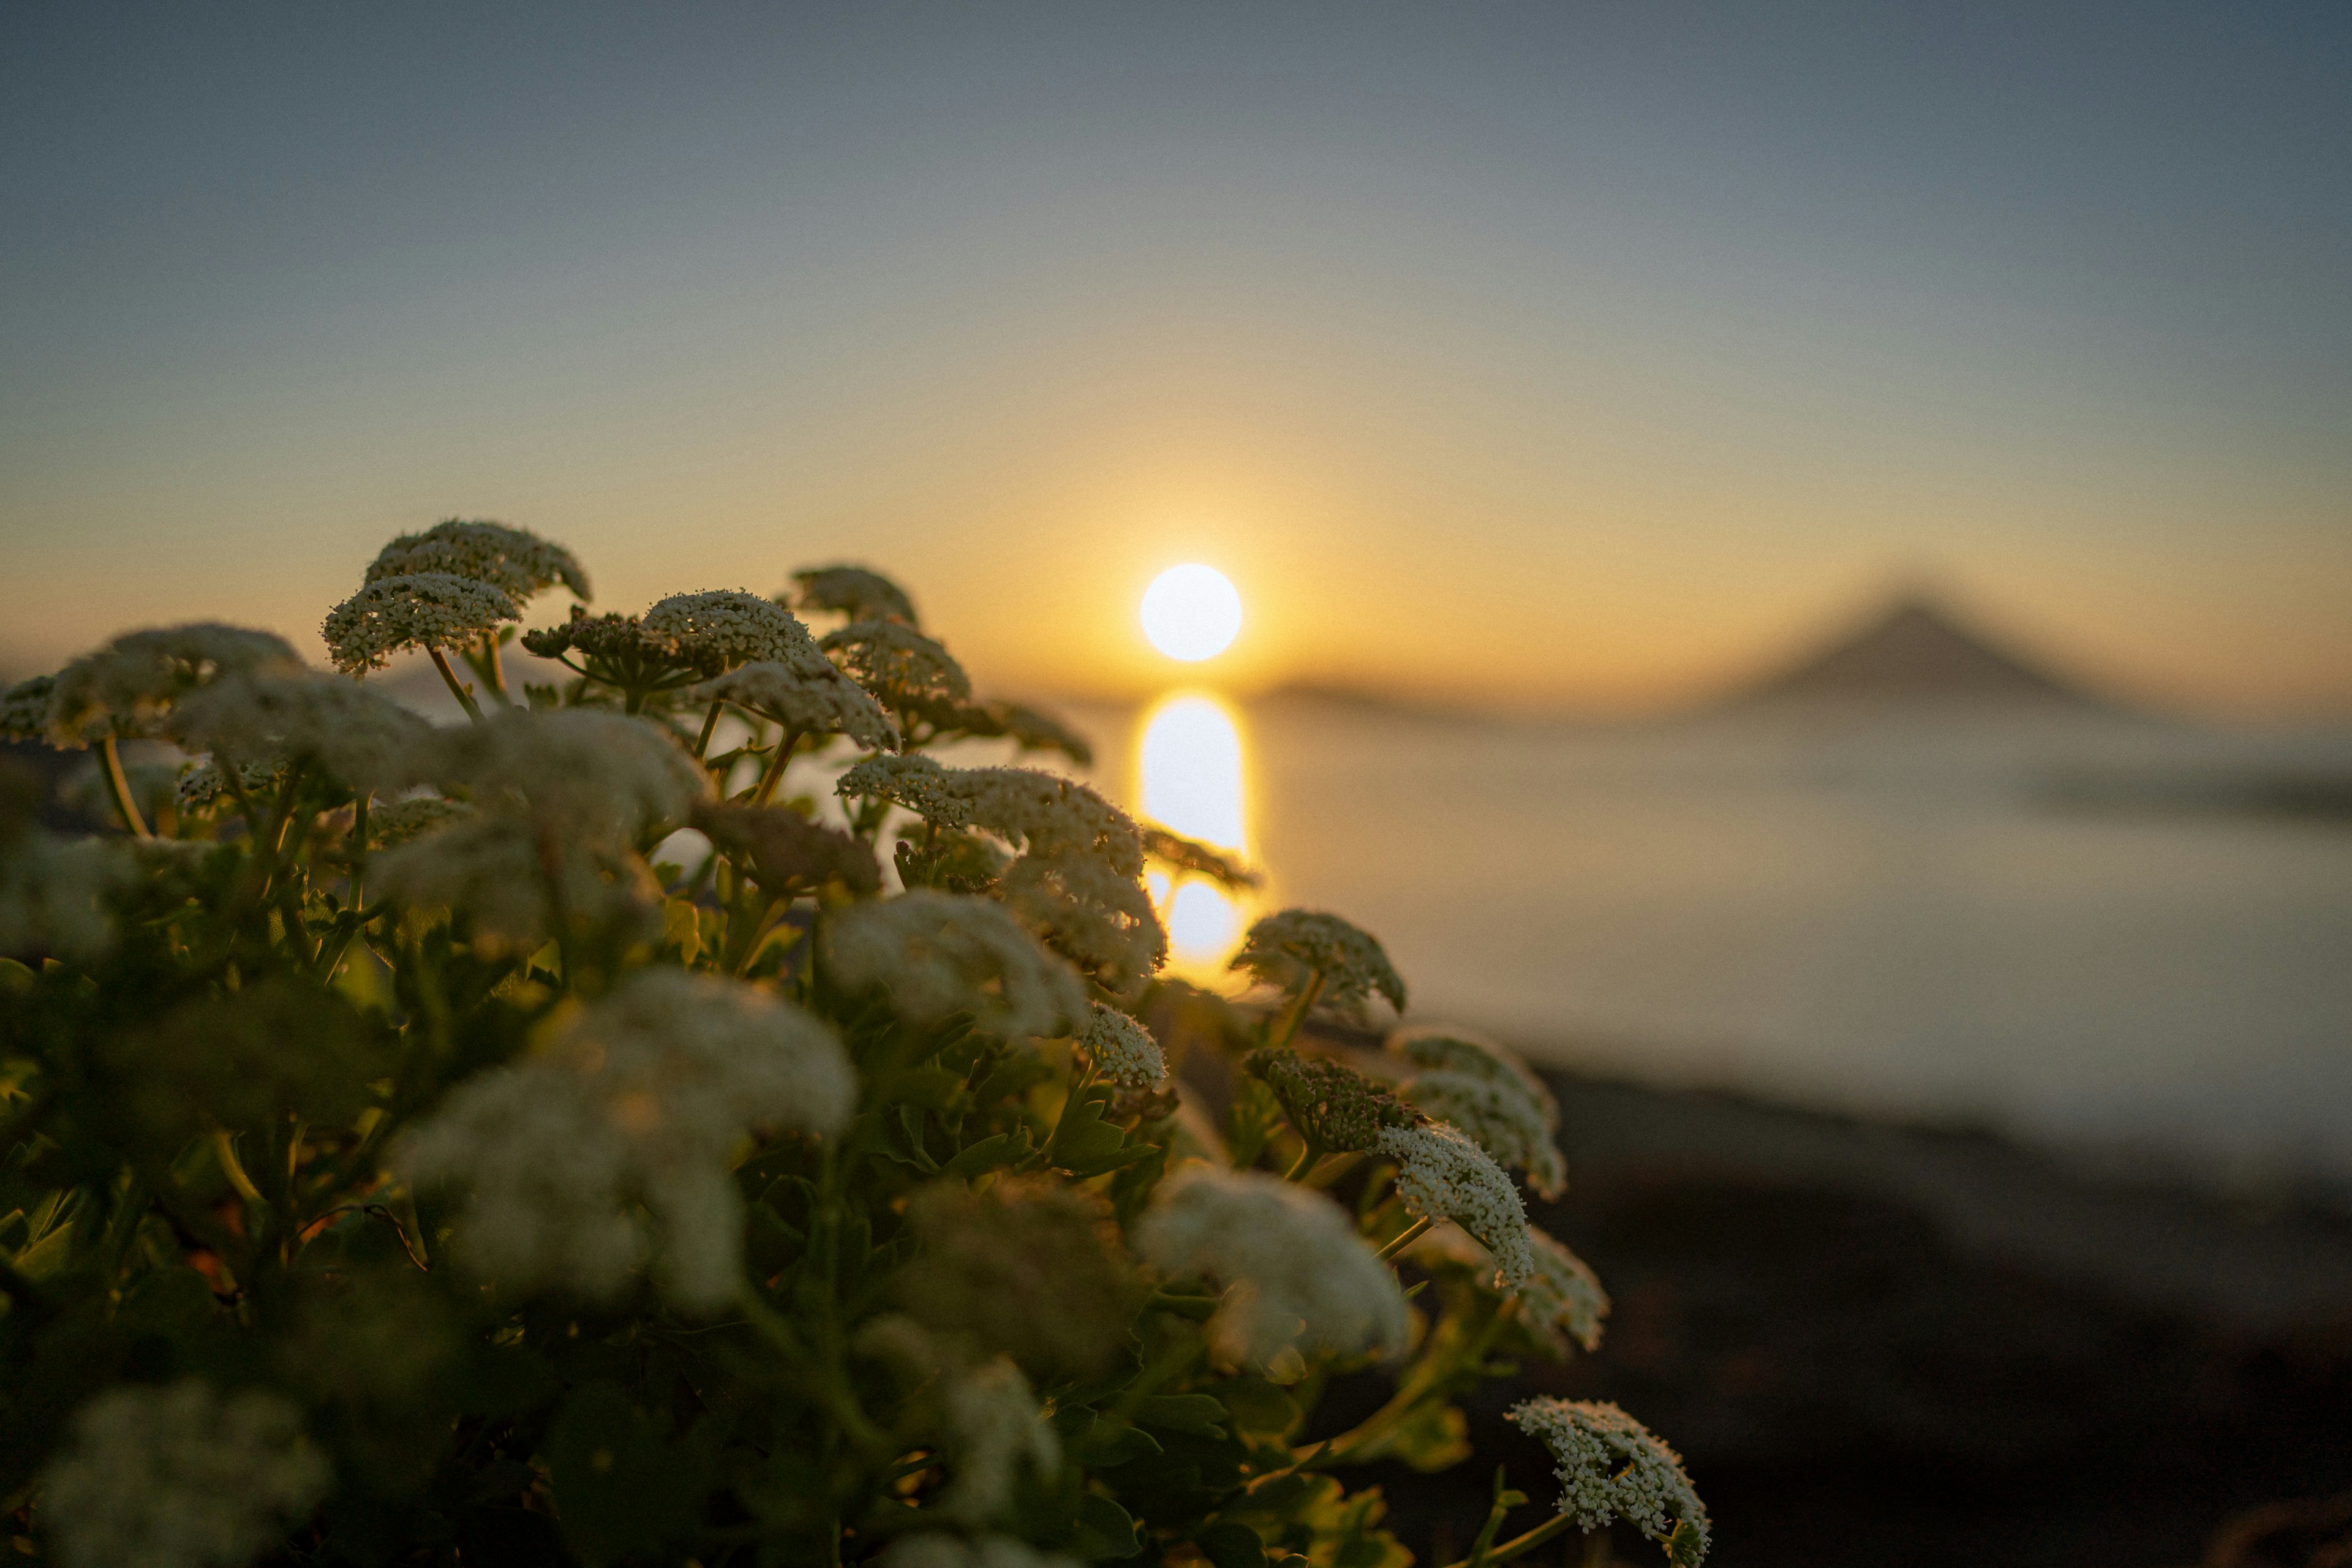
x,y
1563,354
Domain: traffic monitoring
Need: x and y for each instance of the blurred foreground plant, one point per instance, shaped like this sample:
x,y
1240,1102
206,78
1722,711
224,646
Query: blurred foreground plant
x,y
404,1165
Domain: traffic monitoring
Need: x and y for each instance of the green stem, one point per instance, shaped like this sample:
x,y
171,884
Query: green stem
x,y
1519,1546
1407,1236
1308,1156
457,688
1295,1016
494,669
119,786
775,773
709,725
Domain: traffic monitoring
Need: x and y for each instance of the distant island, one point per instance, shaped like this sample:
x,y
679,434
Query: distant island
x,y
1916,650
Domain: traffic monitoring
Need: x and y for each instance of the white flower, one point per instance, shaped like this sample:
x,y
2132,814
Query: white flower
x,y
54,892
1122,1049
856,592
515,884
422,610
936,953
1444,1049
1350,961
824,701
930,1549
180,1476
1441,1174
913,781
126,687
1611,1466
1500,1117
1101,921
993,1425
638,1099
512,558
580,773
730,626
1298,1278
899,664
1563,1295
367,742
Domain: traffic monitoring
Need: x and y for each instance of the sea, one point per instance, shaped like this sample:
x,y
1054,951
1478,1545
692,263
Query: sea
x,y
2123,936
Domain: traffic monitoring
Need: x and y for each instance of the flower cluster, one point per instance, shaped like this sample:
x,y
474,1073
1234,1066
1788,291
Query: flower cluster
x,y
1335,1107
424,610
941,953
1441,1174
856,592
1611,1466
1489,1094
1120,1050
272,721
1298,949
513,560
730,626
805,702
636,1100
1297,1275
127,688
180,1476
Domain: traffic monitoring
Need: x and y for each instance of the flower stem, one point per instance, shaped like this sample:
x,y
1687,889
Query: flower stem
x,y
775,773
709,724
457,688
120,786
1407,1236
1308,1156
1519,1546
1293,1017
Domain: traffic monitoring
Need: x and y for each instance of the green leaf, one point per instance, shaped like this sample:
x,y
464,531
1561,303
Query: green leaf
x,y
1107,1443
930,1087
1257,1406
1105,1530
1231,1545
1115,1160
1196,1414
1002,1149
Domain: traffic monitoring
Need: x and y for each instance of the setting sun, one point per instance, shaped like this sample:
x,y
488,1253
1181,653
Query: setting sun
x,y
1192,613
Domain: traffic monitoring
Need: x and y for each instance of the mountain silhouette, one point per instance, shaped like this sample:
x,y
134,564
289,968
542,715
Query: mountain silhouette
x,y
1918,650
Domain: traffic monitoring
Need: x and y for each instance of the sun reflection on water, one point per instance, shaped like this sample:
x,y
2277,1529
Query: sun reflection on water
x,y
1191,780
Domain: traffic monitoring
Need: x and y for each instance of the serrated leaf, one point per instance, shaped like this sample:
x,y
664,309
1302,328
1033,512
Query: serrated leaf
x,y
1231,1545
1105,1530
1107,1443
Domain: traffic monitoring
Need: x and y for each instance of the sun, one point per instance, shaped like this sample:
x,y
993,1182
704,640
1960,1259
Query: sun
x,y
1192,613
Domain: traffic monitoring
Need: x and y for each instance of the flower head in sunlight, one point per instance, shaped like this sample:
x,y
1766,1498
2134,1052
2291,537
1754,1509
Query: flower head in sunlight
x,y
1611,1466
727,626
1295,948
1297,1276
783,851
855,592
940,953
424,610
1441,1174
1083,910
907,672
913,781
579,773
1122,1049
127,687
805,700
515,560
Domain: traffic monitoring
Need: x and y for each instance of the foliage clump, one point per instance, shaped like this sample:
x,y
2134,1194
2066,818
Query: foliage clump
x,y
420,1147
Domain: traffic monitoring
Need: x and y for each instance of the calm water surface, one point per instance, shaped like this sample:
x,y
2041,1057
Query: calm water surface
x,y
1886,916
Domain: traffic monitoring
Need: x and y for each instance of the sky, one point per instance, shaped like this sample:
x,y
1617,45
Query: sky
x,y
1559,356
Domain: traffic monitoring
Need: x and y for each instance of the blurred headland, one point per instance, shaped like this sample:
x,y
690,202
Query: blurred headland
x,y
1919,650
